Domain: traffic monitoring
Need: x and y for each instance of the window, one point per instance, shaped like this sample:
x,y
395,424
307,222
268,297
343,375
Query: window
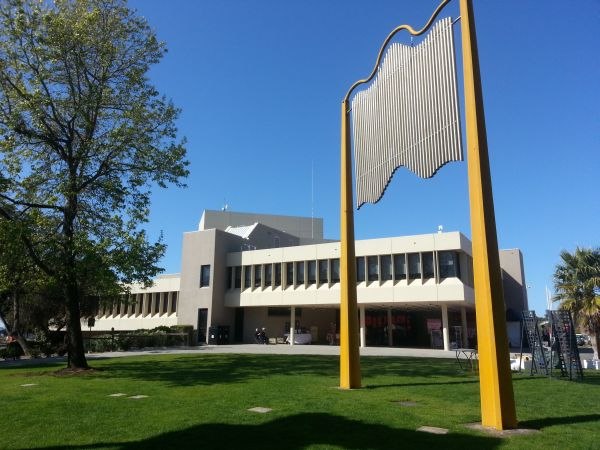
x,y
165,305
229,278
268,275
247,276
399,267
427,265
299,273
372,268
386,267
414,266
335,270
449,265
278,274
289,274
360,269
238,277
323,278
312,272
257,275
204,275
148,304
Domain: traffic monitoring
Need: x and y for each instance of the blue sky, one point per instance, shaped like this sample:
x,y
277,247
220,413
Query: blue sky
x,y
260,85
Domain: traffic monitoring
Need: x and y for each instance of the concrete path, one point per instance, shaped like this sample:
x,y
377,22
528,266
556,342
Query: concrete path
x,y
283,349
277,349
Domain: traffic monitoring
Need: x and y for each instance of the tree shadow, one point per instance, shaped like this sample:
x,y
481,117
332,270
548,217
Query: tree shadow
x,y
298,432
538,424
588,378
410,384
194,370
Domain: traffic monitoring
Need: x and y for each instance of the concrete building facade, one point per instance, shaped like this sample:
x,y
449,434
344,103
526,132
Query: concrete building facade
x,y
242,272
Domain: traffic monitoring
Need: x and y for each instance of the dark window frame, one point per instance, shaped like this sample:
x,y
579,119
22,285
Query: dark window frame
x,y
372,275
360,269
205,275
386,270
399,266
323,275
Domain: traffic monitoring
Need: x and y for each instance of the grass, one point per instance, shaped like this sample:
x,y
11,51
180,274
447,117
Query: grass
x,y
202,401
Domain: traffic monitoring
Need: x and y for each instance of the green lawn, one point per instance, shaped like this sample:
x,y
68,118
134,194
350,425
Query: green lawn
x,y
202,401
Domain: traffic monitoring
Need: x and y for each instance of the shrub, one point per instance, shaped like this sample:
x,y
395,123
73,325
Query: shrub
x,y
124,342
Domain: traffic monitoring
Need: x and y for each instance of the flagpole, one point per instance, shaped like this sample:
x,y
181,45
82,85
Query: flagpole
x,y
496,390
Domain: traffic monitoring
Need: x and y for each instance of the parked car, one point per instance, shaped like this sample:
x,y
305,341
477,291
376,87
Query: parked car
x,y
581,339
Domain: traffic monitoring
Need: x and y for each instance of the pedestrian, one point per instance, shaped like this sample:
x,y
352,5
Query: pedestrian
x,y
13,348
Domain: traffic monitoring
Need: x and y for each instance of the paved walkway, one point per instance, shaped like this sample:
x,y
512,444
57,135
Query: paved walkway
x,y
283,349
278,349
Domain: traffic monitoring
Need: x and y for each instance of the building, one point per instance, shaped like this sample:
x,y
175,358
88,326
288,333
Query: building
x,y
240,272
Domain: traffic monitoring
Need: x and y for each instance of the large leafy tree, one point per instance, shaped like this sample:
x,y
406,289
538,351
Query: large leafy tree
x,y
577,283
84,136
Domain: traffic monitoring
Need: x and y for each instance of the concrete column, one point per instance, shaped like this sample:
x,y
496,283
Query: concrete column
x,y
147,302
131,304
169,302
142,299
445,330
389,327
363,330
161,306
463,322
292,324
153,310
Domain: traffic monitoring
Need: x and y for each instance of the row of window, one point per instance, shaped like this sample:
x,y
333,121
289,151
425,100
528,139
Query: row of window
x,y
396,267
157,303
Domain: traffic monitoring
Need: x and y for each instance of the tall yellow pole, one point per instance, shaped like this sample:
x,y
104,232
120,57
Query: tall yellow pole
x,y
496,390
349,354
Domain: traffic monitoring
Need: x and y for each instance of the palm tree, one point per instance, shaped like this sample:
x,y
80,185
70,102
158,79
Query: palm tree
x,y
577,285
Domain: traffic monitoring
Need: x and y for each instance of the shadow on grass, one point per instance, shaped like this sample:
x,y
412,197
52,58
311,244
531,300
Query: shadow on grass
x,y
298,432
590,378
538,424
223,369
411,384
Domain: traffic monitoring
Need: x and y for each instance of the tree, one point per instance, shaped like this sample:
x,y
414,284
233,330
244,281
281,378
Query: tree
x,y
577,283
84,138
17,275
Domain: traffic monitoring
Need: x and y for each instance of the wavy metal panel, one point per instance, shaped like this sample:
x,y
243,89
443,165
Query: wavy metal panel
x,y
408,116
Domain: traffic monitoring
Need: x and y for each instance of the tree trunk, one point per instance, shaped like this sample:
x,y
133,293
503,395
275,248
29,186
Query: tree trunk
x,y
595,338
76,350
16,325
77,359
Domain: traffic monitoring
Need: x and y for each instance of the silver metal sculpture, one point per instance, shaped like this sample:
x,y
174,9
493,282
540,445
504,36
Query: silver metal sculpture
x,y
408,116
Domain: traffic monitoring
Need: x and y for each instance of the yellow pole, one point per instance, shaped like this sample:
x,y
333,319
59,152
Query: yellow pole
x,y
496,390
349,354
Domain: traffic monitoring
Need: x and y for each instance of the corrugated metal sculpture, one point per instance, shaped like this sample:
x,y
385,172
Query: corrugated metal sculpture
x,y
408,116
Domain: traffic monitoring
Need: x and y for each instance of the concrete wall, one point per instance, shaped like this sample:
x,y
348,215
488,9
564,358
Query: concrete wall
x,y
208,247
513,280
267,237
376,292
302,227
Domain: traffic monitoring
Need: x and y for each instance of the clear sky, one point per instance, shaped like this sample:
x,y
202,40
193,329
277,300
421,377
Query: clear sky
x,y
260,85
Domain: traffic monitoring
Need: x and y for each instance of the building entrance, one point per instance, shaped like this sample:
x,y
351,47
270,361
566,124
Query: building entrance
x,y
202,323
